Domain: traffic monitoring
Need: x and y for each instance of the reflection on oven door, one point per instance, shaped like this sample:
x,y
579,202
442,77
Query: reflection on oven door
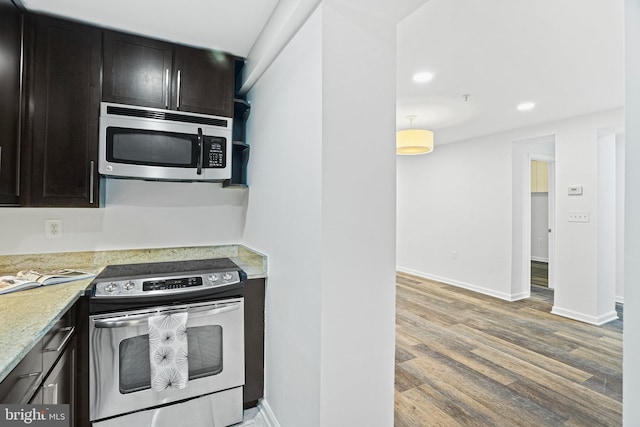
x,y
119,367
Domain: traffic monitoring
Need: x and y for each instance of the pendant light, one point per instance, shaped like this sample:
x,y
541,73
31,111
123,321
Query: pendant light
x,y
414,141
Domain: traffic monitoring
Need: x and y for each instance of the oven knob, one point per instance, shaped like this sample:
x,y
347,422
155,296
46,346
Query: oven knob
x,y
213,277
129,285
111,287
227,276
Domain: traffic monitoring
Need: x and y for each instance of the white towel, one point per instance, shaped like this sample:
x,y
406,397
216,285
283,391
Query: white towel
x,y
168,351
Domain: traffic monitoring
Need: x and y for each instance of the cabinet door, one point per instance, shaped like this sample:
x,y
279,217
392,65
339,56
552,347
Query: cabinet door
x,y
534,176
23,381
254,293
542,178
137,70
203,82
59,386
66,107
10,88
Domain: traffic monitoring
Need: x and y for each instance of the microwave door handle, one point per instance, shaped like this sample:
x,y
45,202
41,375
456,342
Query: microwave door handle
x,y
201,150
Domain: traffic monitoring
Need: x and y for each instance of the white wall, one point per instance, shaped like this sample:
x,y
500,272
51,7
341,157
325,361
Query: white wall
x,y
358,213
459,198
136,214
620,188
284,220
540,227
582,272
321,206
606,280
631,374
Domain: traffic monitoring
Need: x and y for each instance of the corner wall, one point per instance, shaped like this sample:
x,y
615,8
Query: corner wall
x,y
284,221
631,355
321,206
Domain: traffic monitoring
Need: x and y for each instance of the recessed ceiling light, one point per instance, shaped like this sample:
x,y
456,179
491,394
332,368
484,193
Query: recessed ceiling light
x,y
526,106
422,77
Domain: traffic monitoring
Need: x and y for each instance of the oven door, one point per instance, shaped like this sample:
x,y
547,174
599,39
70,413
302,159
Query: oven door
x,y
119,366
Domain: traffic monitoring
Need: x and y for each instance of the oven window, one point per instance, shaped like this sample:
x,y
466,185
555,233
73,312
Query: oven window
x,y
205,357
153,148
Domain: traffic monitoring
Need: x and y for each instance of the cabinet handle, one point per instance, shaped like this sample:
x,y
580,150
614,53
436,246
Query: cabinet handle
x,y
36,378
70,330
91,167
53,388
178,94
166,88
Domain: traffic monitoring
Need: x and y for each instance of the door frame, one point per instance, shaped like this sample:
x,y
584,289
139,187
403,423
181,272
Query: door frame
x,y
551,215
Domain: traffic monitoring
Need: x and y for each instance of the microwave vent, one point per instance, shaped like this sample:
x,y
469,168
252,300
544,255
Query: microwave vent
x,y
165,115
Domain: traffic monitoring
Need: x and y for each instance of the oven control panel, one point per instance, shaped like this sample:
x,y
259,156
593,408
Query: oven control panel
x,y
140,287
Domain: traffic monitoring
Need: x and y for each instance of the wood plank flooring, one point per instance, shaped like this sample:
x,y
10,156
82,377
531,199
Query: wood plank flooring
x,y
466,359
540,273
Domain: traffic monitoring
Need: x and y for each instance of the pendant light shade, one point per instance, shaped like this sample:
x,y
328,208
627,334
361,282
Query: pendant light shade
x,y
414,141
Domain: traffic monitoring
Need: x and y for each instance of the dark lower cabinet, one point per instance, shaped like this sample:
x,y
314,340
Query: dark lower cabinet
x,y
10,100
47,374
254,293
59,385
62,130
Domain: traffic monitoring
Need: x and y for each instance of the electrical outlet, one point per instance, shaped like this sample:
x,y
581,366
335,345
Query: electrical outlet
x,y
53,228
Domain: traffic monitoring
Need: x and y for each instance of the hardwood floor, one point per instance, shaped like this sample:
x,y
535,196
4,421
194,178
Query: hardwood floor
x,y
540,273
466,359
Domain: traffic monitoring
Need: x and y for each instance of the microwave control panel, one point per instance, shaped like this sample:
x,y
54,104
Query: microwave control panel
x,y
215,153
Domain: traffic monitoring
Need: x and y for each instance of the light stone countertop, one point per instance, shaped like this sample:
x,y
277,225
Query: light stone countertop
x,y
26,316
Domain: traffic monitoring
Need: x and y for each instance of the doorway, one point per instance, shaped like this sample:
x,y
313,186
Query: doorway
x,y
523,152
542,196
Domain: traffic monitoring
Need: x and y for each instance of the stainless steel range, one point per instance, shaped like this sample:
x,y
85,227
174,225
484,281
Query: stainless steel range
x,y
166,344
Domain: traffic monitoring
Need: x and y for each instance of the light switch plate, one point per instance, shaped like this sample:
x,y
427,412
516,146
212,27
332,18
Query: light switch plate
x,y
578,216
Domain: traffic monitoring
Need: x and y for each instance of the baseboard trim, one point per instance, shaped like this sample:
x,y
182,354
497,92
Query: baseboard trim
x,y
267,414
469,286
593,320
619,299
539,259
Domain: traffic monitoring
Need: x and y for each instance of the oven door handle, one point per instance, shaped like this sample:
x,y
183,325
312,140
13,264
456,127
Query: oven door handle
x,y
141,319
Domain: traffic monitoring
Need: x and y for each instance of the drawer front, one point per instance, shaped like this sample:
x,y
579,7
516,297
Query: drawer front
x,y
56,339
58,387
23,382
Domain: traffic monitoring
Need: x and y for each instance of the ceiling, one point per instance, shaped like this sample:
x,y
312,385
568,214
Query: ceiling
x,y
565,56
231,26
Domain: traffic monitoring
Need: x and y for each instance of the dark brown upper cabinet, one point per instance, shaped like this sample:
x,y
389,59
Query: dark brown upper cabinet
x,y
62,130
137,70
10,100
152,73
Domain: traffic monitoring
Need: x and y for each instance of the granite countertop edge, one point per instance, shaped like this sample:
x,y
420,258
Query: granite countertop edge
x,y
20,329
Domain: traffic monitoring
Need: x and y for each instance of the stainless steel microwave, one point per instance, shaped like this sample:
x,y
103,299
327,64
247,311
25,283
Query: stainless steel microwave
x,y
157,144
